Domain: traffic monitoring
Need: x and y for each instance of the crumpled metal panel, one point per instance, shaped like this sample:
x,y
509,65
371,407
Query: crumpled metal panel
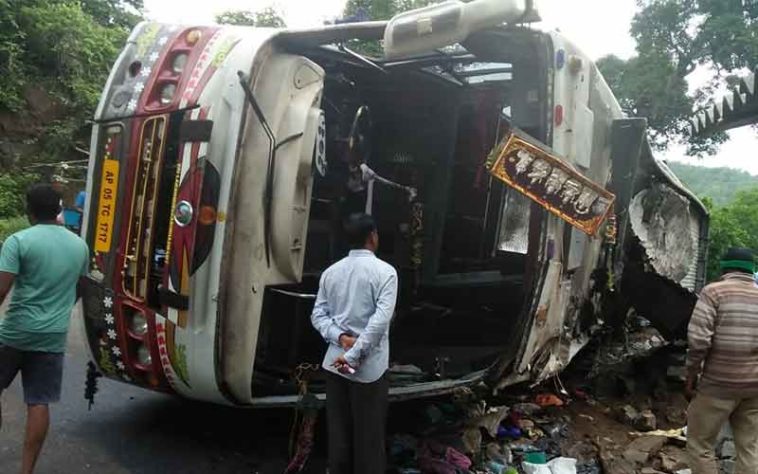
x,y
548,319
690,280
661,219
639,344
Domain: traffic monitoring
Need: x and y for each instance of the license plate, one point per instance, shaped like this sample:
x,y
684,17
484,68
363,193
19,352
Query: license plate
x,y
106,208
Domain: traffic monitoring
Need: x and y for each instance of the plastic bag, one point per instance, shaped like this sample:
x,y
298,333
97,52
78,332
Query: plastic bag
x,y
530,468
562,466
556,466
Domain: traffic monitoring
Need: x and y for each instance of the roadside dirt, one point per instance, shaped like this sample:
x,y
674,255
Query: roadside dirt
x,y
595,435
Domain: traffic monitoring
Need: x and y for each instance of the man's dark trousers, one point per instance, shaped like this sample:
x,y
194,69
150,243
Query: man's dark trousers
x,y
357,416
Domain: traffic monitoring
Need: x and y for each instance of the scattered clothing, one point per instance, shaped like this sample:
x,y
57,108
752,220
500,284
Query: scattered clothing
x,y
309,405
435,458
361,180
548,400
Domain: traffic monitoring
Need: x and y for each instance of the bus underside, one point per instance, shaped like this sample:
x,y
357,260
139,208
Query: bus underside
x,y
466,247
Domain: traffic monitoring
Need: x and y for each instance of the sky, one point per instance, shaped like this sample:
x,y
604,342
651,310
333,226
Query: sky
x,y
574,18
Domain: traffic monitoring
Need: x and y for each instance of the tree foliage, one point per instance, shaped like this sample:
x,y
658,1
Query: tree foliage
x,y
119,13
720,185
69,51
268,17
735,225
12,66
673,38
66,49
382,9
364,10
13,193
11,226
649,86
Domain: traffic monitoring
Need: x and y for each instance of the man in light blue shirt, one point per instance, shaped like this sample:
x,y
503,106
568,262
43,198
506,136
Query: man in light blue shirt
x,y
79,202
81,199
353,310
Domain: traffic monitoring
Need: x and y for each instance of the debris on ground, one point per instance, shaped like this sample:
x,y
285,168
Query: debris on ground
x,y
545,400
642,449
627,414
620,412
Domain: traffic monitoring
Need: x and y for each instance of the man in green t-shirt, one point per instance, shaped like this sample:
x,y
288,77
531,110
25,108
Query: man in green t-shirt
x,y
43,264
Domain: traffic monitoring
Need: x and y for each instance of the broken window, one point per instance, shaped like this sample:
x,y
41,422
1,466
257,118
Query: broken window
x,y
514,226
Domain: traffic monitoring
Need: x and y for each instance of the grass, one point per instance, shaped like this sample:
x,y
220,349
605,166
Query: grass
x,y
12,225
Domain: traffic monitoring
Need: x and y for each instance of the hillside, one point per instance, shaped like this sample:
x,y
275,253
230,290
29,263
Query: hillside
x,y
720,184
55,57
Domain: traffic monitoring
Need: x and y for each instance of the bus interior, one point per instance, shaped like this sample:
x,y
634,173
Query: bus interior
x,y
464,245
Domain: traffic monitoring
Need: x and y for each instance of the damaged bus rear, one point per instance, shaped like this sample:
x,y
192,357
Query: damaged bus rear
x,y
521,210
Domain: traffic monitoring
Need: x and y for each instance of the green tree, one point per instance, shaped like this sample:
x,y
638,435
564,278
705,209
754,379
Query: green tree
x,y
383,9
120,13
673,38
378,10
373,9
13,193
721,185
61,50
71,52
733,225
649,86
11,226
12,67
268,17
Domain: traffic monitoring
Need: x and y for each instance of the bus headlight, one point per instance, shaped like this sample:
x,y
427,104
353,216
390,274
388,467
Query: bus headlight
x,y
180,61
183,213
138,324
167,94
143,356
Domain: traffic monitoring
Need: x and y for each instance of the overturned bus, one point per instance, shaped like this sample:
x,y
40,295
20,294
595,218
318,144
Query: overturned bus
x,y
521,210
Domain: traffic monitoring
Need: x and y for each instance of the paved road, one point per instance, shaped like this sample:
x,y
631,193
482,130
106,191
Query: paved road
x,y
130,430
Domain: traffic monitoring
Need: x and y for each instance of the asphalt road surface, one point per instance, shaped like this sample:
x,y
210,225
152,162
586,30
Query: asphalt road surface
x,y
131,430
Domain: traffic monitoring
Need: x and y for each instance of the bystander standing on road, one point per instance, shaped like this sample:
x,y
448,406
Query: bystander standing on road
x,y
722,365
81,199
79,203
353,310
42,264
